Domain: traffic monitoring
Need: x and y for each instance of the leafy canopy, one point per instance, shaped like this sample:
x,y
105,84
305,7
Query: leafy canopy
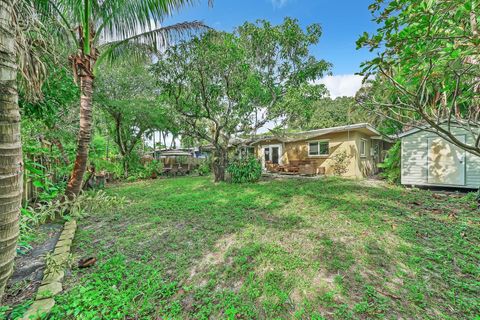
x,y
227,84
428,64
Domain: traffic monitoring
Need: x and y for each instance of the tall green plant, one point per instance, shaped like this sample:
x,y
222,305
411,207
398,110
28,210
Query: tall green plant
x,y
245,170
391,164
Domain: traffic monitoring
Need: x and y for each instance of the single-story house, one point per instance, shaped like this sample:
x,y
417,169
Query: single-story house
x,y
316,150
429,160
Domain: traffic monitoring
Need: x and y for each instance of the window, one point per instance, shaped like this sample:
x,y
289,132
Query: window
x,y
267,154
318,148
363,148
275,155
245,152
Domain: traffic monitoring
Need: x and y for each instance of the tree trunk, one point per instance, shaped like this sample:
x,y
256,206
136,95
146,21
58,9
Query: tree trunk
x,y
85,133
11,166
60,148
219,164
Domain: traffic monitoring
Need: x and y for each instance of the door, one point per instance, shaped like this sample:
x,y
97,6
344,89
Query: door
x,y
272,154
446,162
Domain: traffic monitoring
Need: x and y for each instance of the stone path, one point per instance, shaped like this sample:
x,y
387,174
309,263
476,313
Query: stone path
x,y
52,282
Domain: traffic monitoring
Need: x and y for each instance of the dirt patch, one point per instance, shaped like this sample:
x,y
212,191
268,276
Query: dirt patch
x,y
29,267
213,258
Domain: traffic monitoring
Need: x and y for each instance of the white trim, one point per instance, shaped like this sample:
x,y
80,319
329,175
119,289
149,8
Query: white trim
x,y
318,144
364,154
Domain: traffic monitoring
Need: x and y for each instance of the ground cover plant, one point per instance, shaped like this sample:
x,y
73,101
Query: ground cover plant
x,y
187,248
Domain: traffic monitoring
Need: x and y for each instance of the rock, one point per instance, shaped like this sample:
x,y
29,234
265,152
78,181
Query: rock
x,y
49,290
61,250
38,309
53,277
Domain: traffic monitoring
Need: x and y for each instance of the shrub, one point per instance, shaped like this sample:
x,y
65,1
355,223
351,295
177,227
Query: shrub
x,y
152,169
204,168
391,164
245,170
340,163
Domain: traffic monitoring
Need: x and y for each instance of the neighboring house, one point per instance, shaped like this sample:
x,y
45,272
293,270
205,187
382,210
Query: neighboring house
x,y
428,160
316,149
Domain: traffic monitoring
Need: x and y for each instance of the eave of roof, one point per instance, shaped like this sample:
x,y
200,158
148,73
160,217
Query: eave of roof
x,y
425,127
305,135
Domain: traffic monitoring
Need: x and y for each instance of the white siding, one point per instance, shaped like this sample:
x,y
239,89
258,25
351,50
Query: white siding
x,y
414,162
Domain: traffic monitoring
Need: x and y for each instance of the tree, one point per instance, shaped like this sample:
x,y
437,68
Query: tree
x,y
127,96
19,63
223,85
11,167
327,112
104,31
427,70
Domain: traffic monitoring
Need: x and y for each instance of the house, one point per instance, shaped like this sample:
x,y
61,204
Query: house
x,y
428,160
315,151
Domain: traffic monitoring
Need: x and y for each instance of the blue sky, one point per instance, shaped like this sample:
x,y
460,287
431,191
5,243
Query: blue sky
x,y
342,21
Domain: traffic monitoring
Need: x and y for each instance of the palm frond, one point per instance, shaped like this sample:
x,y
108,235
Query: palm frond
x,y
30,46
64,14
121,19
149,42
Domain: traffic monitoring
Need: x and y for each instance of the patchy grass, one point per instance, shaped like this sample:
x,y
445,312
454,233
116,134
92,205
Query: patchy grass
x,y
296,249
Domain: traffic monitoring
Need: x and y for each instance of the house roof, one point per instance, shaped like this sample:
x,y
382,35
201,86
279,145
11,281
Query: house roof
x,y
174,152
305,135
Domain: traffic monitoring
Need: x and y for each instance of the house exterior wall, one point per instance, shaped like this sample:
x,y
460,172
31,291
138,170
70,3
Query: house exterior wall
x,y
414,160
358,167
366,164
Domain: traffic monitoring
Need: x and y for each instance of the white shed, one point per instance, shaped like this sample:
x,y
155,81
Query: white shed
x,y
428,160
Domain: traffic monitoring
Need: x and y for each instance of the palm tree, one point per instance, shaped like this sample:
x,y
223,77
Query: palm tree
x,y
101,30
20,50
10,145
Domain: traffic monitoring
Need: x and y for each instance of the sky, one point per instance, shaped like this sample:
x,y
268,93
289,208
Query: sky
x,y
342,21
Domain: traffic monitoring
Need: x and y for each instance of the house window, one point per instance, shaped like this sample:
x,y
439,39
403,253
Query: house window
x,y
275,155
363,148
318,148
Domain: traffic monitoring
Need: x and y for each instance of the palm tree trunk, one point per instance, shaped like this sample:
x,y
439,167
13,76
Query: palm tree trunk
x,y
11,166
85,133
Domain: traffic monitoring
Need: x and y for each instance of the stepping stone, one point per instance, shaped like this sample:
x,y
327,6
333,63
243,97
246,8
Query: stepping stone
x,y
38,309
53,277
64,243
60,250
49,290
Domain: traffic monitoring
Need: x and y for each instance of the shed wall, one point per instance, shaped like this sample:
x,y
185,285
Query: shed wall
x,y
414,162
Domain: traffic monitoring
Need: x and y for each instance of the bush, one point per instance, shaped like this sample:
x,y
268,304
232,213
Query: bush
x,y
151,169
340,163
204,168
245,170
391,164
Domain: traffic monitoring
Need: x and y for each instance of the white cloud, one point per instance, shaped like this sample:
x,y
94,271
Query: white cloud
x,y
342,85
279,3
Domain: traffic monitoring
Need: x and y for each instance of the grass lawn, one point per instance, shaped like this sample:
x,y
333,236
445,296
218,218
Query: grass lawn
x,y
283,249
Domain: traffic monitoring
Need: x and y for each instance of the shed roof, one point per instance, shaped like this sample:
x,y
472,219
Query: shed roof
x,y
427,127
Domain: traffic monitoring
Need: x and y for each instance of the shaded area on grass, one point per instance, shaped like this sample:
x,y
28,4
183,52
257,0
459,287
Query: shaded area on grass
x,y
332,248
